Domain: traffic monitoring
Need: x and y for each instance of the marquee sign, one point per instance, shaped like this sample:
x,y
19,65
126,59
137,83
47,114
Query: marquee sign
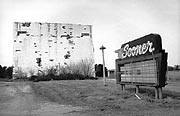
x,y
142,62
147,45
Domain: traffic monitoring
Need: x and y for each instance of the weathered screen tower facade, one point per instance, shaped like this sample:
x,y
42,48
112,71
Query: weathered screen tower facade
x,y
43,45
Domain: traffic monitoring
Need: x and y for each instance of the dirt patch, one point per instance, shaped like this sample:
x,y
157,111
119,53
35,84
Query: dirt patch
x,y
18,99
108,100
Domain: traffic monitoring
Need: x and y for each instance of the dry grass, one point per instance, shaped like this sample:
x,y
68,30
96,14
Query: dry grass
x,y
108,100
173,76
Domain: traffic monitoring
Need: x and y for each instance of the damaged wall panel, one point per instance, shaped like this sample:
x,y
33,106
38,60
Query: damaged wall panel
x,y
64,43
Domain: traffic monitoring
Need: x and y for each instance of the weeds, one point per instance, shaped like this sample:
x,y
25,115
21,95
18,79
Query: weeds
x,y
84,69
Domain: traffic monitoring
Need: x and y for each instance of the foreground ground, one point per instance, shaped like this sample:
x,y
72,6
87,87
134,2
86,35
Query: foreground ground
x,y
18,99
86,98
109,100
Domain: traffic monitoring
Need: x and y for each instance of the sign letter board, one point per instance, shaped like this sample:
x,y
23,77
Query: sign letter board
x,y
142,62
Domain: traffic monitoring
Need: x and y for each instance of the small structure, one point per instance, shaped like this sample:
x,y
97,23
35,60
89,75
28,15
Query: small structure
x,y
99,70
142,62
112,73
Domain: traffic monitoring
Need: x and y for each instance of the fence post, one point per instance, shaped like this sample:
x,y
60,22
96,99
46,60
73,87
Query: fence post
x,y
137,89
123,87
160,92
156,93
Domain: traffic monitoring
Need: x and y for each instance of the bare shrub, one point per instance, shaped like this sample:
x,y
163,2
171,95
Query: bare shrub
x,y
87,67
74,68
31,72
80,70
50,71
63,70
21,74
83,67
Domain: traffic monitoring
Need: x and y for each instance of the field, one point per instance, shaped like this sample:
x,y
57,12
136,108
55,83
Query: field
x,y
174,75
98,99
87,98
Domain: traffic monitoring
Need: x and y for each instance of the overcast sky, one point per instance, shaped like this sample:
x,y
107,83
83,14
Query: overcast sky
x,y
114,22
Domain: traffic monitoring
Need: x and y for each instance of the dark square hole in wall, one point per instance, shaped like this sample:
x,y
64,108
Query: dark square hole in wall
x,y
67,56
20,41
18,50
35,51
84,34
51,60
26,24
71,42
21,32
68,52
68,36
14,40
64,27
72,47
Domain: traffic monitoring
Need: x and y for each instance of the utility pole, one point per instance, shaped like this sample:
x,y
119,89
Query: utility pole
x,y
104,76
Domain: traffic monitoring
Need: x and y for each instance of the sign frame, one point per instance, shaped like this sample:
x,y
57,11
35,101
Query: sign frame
x,y
161,60
154,44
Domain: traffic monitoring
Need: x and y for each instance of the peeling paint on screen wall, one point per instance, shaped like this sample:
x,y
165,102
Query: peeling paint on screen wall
x,y
48,41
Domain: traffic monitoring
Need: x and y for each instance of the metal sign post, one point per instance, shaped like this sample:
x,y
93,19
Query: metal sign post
x,y
104,76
